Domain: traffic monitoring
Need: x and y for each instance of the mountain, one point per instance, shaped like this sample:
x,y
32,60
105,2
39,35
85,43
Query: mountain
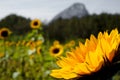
x,y
75,10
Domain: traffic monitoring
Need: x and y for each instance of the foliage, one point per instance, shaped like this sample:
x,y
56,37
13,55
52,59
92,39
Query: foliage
x,y
63,29
17,24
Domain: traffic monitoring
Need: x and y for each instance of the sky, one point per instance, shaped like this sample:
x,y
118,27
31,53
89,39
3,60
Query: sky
x,y
47,9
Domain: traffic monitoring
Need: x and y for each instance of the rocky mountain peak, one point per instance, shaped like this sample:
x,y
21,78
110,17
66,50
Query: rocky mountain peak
x,y
75,10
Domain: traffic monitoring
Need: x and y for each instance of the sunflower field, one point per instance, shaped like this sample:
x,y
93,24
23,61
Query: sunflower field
x,y
29,57
32,57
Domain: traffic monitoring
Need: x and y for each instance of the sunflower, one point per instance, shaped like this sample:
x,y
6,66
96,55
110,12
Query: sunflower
x,y
56,42
72,43
56,50
29,43
92,60
18,43
32,56
32,46
23,42
35,24
39,50
2,55
38,42
4,33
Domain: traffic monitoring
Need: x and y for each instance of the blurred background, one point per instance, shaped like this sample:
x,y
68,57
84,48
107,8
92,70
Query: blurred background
x,y
60,17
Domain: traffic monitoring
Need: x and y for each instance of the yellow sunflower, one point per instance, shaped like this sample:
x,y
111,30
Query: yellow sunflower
x,y
32,56
35,24
29,43
4,33
2,55
38,42
95,57
72,43
39,50
32,46
56,50
18,43
56,42
23,43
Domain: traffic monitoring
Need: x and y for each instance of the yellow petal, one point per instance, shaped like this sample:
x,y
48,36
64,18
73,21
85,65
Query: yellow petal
x,y
82,68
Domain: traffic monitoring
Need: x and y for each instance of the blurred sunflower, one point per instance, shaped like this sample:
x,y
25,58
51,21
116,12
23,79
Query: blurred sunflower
x,y
18,43
39,50
32,56
70,44
56,42
56,50
4,33
97,59
23,43
29,43
35,24
2,55
38,42
32,45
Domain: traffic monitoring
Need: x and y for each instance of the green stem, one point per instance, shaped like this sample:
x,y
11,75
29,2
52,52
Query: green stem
x,y
4,47
42,64
5,60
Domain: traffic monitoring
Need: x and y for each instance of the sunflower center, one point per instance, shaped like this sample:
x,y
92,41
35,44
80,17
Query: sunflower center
x,y
4,33
36,23
40,50
56,50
